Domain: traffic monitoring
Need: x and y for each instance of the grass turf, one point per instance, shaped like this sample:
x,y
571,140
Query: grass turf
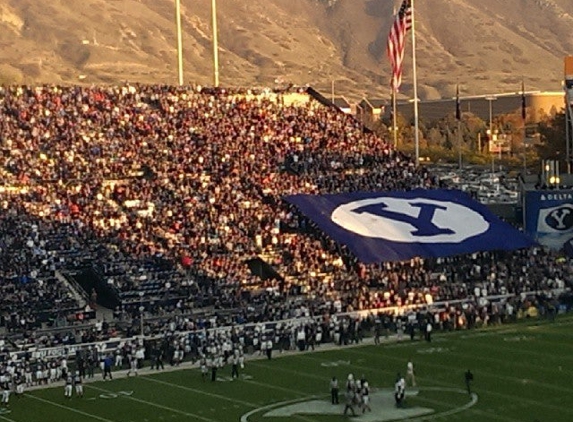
x,y
522,373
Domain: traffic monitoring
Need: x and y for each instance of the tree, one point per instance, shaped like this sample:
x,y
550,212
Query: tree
x,y
552,137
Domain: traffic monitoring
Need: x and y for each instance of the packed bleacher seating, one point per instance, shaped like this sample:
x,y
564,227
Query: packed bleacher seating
x,y
166,194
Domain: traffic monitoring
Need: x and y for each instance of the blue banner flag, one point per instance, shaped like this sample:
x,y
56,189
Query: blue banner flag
x,y
397,226
549,217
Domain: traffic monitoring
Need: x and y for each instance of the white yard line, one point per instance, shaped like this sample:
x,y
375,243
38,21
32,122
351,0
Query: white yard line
x,y
157,405
244,403
460,409
245,417
194,390
71,409
6,419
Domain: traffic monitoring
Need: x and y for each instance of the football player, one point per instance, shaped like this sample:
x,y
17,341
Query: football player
x,y
78,384
68,387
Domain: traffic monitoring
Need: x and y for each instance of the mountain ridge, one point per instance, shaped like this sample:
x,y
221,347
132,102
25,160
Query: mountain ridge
x,y
485,47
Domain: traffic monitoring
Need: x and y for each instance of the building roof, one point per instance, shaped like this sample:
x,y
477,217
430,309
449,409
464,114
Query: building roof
x,y
341,102
374,102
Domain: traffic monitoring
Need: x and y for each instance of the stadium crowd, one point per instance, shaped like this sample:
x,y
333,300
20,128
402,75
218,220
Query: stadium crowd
x,y
170,191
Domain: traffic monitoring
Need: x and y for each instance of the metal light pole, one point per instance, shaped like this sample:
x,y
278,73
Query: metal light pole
x,y
215,43
491,99
567,136
332,90
459,144
179,41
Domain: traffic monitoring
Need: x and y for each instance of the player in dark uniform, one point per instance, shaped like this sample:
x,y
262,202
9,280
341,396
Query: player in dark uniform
x,y
399,390
365,397
78,384
334,390
90,364
235,366
159,358
214,368
469,377
19,382
350,399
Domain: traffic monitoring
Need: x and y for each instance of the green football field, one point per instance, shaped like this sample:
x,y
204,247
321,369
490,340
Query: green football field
x,y
522,372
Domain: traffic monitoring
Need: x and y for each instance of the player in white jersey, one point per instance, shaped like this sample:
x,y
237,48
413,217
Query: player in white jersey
x,y
39,374
204,368
241,360
399,390
410,374
28,375
366,397
5,391
350,384
68,387
19,385
53,373
118,358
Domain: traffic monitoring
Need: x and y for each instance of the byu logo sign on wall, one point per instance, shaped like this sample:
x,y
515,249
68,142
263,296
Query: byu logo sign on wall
x,y
558,219
395,226
549,217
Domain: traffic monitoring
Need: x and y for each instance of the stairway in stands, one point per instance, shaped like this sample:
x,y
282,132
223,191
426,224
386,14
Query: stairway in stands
x,y
272,255
77,292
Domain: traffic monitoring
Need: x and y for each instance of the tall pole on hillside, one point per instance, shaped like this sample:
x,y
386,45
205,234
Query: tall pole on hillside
x,y
415,81
491,99
459,120
215,43
179,41
332,90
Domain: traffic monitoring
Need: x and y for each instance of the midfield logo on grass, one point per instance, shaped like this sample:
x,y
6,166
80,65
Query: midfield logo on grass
x,y
382,403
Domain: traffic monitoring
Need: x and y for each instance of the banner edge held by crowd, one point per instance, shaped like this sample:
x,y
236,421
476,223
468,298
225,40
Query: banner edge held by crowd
x,y
397,226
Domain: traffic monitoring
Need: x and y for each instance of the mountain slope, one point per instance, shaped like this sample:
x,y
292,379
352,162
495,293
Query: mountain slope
x,y
485,46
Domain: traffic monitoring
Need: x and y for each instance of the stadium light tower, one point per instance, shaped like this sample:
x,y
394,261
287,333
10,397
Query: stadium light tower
x,y
179,41
491,99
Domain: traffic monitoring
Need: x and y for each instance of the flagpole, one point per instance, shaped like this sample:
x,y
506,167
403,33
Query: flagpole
x,y
415,81
179,41
215,44
394,120
459,119
459,144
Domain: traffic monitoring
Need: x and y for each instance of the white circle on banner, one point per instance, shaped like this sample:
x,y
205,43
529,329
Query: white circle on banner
x,y
410,220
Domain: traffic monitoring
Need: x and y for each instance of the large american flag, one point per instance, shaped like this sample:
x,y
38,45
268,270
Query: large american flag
x,y
397,42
